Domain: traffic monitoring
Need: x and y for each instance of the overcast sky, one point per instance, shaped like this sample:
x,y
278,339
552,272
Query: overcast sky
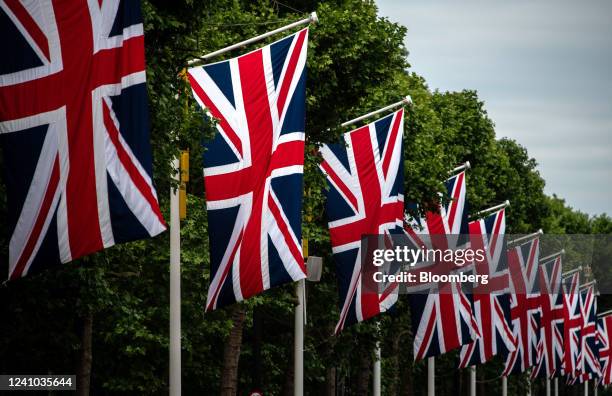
x,y
544,70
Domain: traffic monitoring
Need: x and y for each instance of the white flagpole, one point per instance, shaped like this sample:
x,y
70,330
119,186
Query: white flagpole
x,y
465,166
472,380
491,209
175,288
376,372
406,100
547,387
556,387
504,386
431,372
312,18
298,342
586,388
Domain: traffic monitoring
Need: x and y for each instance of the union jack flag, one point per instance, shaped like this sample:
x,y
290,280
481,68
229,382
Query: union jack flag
x,y
365,196
588,356
442,319
572,324
491,302
604,332
254,167
524,305
550,344
74,129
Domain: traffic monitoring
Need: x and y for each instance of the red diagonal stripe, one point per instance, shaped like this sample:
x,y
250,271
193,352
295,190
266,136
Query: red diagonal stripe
x,y
391,145
137,179
30,25
286,83
39,223
340,184
284,228
227,129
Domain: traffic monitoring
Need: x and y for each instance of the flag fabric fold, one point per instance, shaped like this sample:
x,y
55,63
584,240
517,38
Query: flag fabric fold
x,y
365,197
524,305
604,332
74,130
442,315
491,302
572,324
253,168
550,343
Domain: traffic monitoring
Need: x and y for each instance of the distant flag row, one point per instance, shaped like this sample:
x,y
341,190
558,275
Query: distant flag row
x,y
86,184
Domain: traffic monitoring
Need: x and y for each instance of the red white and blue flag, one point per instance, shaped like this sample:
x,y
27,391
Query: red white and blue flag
x,y
74,130
253,168
442,316
491,302
604,332
588,366
524,305
365,197
572,324
549,355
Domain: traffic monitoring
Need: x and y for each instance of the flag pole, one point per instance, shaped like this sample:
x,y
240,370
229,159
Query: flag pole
x,y
465,166
472,380
376,386
604,313
556,387
175,287
586,388
526,237
312,18
547,387
570,272
298,340
431,372
504,385
492,209
559,253
406,100
591,283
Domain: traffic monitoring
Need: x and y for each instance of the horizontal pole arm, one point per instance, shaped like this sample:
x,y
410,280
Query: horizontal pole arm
x,y
605,313
466,165
571,272
491,209
312,18
526,237
406,100
588,284
559,253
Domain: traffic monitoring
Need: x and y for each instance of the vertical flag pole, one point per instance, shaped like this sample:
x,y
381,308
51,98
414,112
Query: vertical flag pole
x,y
472,380
376,371
586,388
547,387
504,386
175,289
556,386
298,355
431,371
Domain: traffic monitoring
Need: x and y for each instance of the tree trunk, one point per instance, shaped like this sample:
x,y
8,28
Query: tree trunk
x,y
257,376
330,382
288,385
84,370
408,385
363,378
231,354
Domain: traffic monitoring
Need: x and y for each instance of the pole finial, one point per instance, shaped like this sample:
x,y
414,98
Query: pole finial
x,y
313,17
